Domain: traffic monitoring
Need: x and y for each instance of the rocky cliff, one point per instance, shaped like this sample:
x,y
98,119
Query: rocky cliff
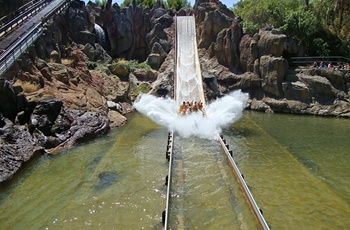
x,y
76,81
231,60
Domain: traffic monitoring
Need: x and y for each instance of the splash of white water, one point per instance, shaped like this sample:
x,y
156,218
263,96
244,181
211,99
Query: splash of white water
x,y
219,114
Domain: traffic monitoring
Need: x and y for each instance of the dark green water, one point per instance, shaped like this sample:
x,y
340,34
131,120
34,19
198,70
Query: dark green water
x,y
296,166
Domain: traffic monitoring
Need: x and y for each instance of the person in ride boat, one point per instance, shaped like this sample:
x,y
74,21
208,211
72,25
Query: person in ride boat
x,y
189,107
183,108
195,107
200,108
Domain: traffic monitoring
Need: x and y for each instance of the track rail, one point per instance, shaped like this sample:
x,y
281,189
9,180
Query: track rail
x,y
8,23
169,157
15,50
307,61
248,195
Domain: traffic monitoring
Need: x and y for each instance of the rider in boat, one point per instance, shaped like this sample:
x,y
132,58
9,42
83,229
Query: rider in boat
x,y
183,108
189,107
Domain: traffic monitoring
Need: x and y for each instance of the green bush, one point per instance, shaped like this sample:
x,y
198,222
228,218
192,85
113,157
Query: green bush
x,y
101,2
91,65
134,64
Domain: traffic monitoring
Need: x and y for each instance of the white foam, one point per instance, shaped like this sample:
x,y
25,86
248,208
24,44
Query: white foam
x,y
219,114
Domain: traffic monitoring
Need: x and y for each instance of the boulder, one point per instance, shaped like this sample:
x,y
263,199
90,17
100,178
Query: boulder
x,y
83,126
116,119
296,91
84,37
120,30
121,70
271,42
336,77
60,72
145,74
44,115
212,89
161,54
320,87
122,91
297,107
101,55
276,105
154,60
164,21
89,50
155,35
46,72
40,63
11,102
55,56
273,71
113,106
142,26
163,85
227,46
79,23
210,26
17,146
246,61
249,81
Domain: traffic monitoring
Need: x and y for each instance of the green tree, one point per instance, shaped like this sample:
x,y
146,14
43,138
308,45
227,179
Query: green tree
x,y
318,24
300,24
177,4
254,14
101,2
145,3
169,4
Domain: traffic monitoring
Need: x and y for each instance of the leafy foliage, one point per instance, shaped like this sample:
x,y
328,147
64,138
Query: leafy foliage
x,y
169,4
144,3
320,25
101,2
91,65
131,65
177,4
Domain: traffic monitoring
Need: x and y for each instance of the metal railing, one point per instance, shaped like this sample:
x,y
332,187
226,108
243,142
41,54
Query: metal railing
x,y
169,156
8,58
7,18
243,185
27,11
11,55
295,61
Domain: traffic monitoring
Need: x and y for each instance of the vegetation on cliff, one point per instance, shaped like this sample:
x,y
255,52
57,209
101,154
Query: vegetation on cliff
x,y
169,4
319,25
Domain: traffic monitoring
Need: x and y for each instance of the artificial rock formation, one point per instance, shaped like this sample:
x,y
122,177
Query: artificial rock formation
x,y
67,88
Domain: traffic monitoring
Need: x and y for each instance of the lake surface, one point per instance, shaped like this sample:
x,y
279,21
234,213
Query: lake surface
x,y
297,168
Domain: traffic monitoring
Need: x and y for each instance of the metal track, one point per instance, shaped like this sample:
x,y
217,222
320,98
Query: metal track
x,y
15,50
248,195
25,13
169,156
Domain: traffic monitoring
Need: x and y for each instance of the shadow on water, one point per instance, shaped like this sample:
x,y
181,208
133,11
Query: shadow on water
x,y
308,163
106,179
94,161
